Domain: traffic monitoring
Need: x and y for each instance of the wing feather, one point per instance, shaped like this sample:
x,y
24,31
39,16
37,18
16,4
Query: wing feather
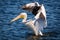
x,y
41,21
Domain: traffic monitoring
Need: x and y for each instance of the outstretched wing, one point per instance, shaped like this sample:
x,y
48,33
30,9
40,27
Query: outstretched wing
x,y
41,21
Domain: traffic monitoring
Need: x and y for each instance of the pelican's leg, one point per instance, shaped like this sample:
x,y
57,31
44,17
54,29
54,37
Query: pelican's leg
x,y
40,33
36,31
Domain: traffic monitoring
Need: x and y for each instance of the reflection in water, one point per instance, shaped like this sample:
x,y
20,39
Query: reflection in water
x,y
33,38
49,35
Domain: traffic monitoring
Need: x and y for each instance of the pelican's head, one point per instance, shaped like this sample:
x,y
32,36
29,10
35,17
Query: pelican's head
x,y
22,15
30,6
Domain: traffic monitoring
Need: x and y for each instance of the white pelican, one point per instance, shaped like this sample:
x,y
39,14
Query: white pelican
x,y
37,24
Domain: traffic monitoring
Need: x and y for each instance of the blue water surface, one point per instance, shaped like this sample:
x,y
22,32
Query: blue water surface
x,y
9,9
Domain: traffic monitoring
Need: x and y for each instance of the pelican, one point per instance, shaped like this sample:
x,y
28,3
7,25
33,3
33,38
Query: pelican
x,y
38,23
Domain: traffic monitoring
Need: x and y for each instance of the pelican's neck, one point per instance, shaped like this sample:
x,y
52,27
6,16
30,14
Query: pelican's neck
x,y
25,18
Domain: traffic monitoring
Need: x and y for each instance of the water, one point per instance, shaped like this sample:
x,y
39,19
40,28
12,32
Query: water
x,y
9,9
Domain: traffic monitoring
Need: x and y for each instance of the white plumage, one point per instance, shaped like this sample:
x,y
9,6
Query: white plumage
x,y
38,23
